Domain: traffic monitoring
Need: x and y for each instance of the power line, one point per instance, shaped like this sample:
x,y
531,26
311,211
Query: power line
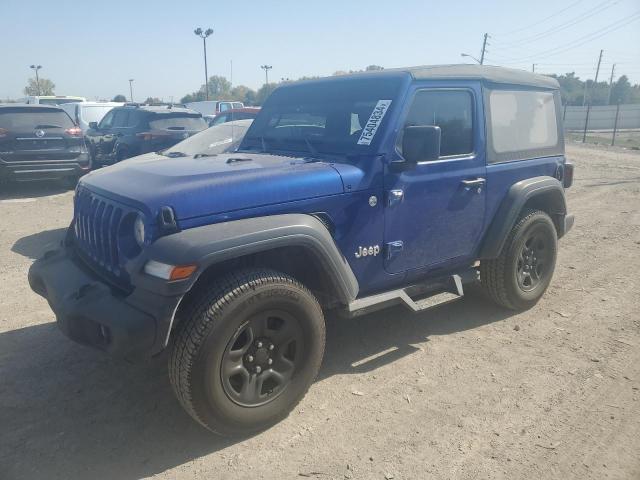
x,y
544,19
563,26
584,39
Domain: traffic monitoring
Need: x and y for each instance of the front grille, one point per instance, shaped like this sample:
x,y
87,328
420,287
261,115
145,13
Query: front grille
x,y
96,225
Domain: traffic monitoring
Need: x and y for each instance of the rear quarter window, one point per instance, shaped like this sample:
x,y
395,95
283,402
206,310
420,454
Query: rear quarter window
x,y
522,121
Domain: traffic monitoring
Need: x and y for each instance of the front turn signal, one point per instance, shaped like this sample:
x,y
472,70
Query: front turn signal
x,y
169,272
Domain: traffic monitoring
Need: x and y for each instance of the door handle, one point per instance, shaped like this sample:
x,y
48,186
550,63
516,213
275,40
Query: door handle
x,y
475,184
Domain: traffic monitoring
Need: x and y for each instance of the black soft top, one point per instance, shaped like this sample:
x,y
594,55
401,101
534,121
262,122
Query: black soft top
x,y
486,73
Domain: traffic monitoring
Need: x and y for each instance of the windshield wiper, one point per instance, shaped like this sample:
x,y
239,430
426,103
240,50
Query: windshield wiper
x,y
199,155
173,154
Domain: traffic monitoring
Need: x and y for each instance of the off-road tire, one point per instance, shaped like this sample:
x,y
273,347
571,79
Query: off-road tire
x,y
214,313
499,276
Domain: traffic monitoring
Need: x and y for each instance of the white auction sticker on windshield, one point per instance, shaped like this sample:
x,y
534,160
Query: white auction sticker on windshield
x,y
369,130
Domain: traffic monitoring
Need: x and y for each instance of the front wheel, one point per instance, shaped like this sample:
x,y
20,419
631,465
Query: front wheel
x,y
248,350
518,278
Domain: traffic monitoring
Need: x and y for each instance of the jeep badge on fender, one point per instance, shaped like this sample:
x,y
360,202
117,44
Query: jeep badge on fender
x,y
230,259
368,251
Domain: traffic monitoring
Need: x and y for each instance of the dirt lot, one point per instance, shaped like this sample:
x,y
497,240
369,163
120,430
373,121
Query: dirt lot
x,y
464,391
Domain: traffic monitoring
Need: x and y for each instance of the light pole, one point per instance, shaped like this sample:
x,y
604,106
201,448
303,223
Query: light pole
x,y
470,56
131,89
203,35
36,68
266,69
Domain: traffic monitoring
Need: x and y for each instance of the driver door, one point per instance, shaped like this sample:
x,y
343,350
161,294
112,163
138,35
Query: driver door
x,y
435,209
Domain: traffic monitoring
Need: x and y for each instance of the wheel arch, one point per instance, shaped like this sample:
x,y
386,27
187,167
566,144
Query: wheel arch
x,y
296,244
537,193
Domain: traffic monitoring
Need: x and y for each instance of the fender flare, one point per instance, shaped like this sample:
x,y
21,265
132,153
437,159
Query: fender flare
x,y
211,244
511,206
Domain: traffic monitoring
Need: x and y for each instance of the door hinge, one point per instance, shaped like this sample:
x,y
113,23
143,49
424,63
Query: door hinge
x,y
394,248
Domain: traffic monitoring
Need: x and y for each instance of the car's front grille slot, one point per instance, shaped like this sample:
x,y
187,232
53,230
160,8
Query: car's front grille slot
x,y
97,222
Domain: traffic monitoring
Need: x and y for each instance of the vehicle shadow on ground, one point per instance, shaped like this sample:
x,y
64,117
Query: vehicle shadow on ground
x,y
34,246
70,412
26,190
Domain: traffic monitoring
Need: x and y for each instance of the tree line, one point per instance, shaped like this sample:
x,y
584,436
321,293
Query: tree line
x,y
220,89
572,90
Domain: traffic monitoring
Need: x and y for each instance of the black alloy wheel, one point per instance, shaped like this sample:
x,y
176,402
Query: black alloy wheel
x,y
533,260
260,358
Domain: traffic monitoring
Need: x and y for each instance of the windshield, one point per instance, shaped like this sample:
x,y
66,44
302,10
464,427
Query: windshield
x,y
341,117
178,121
214,140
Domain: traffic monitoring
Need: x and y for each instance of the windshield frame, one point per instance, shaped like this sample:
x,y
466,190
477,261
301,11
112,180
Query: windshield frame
x,y
336,98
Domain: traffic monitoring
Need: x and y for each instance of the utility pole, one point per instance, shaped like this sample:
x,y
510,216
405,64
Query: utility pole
x,y
266,69
484,48
131,89
584,97
533,67
595,83
203,35
613,68
36,68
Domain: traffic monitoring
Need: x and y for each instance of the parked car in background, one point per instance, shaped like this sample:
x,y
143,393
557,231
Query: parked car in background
x,y
218,139
83,113
51,99
135,129
210,108
235,114
39,142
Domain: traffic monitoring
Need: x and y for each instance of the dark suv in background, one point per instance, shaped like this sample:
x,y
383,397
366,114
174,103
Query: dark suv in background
x,y
39,142
136,129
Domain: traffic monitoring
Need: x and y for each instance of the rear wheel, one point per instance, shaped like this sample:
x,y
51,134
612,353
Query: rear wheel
x,y
250,346
518,278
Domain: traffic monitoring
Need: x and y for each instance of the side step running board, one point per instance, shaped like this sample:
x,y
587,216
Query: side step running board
x,y
416,297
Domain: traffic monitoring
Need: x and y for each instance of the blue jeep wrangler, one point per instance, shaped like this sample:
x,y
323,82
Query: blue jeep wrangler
x,y
348,193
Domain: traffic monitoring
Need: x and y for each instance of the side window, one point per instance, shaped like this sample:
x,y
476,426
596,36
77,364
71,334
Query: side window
x,y
224,106
452,111
132,120
107,121
120,118
522,120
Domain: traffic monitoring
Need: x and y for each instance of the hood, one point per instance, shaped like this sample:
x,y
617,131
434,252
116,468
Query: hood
x,y
211,185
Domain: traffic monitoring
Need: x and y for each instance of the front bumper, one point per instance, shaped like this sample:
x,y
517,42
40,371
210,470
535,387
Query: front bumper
x,y
92,312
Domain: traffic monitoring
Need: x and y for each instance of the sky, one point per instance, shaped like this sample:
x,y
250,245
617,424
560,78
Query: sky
x,y
92,48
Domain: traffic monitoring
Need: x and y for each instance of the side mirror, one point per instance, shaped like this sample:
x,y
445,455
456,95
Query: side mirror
x,y
421,143
93,125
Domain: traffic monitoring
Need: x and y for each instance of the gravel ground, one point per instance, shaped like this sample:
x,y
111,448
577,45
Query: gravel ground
x,y
465,390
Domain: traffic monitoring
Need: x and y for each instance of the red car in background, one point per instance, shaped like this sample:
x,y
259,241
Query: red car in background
x,y
246,113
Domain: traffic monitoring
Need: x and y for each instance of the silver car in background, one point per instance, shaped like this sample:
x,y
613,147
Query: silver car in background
x,y
84,113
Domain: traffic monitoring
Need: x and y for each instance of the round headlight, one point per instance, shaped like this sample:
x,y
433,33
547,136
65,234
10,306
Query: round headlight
x,y
138,231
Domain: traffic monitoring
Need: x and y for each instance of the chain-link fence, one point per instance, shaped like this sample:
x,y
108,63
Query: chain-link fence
x,y
609,125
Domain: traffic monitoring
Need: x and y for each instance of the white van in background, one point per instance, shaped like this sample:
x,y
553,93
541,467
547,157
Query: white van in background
x,y
51,99
211,108
84,113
